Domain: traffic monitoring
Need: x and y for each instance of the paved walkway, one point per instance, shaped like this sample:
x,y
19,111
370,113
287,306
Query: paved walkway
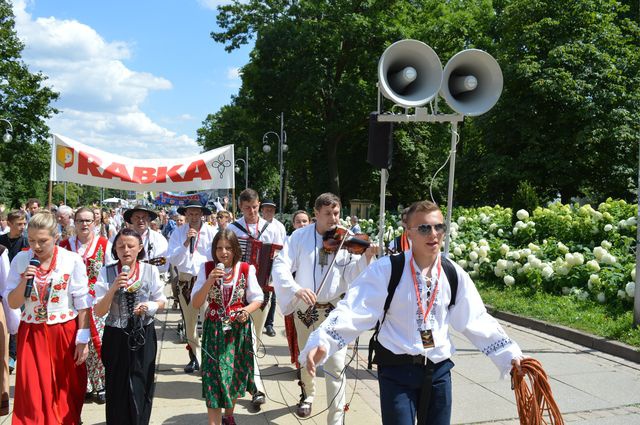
x,y
590,387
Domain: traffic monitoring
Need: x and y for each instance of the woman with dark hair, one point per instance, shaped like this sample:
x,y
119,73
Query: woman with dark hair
x,y
232,291
95,252
131,292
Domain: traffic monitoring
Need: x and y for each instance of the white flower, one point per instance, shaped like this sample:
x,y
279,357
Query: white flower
x,y
509,280
593,265
457,251
608,259
622,294
601,297
515,255
520,225
608,228
522,214
473,255
633,273
500,232
498,271
605,244
502,264
631,221
483,251
599,252
461,220
533,247
566,290
583,295
547,272
462,263
562,248
504,249
492,227
473,274
563,270
483,242
594,279
568,257
630,289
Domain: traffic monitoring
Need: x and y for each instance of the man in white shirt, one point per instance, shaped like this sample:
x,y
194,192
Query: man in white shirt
x,y
311,301
252,226
155,245
268,209
189,249
413,346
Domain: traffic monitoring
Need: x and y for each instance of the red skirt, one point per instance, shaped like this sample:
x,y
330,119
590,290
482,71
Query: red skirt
x,y
49,386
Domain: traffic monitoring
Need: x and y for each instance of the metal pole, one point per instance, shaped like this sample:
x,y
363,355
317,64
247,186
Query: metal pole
x,y
280,159
636,299
65,193
452,169
246,169
384,175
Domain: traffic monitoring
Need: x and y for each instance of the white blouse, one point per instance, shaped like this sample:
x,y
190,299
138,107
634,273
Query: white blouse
x,y
364,305
68,292
253,291
12,314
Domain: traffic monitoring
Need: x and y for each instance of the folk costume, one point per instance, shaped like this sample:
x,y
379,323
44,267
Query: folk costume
x,y
304,255
264,232
188,265
9,320
129,343
50,387
95,254
227,363
413,342
155,245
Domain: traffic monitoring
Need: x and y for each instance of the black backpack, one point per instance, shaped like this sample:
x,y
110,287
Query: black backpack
x,y
397,267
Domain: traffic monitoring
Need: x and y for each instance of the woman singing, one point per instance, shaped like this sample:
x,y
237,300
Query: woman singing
x,y
233,293
131,292
54,332
94,250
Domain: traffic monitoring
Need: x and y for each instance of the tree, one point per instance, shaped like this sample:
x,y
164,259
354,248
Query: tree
x,y
26,103
568,118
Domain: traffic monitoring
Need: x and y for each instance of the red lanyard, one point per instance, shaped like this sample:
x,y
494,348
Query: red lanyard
x,y
257,236
85,254
424,313
226,305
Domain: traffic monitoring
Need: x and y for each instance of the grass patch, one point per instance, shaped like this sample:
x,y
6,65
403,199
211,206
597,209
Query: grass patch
x,y
584,315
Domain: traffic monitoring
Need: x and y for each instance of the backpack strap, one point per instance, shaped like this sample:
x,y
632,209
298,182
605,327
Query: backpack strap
x,y
397,267
452,277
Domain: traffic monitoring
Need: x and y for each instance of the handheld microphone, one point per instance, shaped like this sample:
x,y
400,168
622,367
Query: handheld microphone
x,y
220,266
192,245
125,269
29,287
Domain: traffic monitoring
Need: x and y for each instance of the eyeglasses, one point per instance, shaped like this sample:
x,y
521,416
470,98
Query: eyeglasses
x,y
84,221
426,229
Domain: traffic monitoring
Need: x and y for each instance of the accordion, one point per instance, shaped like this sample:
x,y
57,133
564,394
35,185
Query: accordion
x,y
260,255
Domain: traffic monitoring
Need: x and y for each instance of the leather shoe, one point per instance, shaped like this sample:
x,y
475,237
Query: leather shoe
x,y
258,399
101,397
304,409
269,330
192,366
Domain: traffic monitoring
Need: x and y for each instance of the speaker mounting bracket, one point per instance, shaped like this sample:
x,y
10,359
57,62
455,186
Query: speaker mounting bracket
x,y
421,115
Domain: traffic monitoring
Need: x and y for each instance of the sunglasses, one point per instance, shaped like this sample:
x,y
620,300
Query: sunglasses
x,y
426,229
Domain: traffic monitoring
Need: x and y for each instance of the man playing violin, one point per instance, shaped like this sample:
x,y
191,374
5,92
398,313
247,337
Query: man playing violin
x,y
321,279
155,245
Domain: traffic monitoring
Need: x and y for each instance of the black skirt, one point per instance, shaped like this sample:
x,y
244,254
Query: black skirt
x,y
130,375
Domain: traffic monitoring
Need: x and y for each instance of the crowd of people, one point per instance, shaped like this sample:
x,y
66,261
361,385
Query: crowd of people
x,y
81,287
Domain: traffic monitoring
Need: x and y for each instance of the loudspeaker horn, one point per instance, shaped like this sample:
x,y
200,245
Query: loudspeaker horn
x,y
409,73
472,82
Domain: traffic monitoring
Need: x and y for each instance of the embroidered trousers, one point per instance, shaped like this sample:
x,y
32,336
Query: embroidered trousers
x,y
334,376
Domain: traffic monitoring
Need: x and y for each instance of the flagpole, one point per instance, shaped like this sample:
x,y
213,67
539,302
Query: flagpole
x,y
53,153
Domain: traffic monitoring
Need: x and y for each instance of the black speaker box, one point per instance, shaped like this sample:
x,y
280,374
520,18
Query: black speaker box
x,y
380,148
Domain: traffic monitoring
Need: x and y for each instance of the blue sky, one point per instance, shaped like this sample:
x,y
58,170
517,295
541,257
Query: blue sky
x,y
136,78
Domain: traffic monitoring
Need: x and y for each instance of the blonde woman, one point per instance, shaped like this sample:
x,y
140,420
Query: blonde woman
x,y
54,331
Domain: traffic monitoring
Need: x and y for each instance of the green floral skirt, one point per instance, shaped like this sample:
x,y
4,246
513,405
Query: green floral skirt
x,y
227,366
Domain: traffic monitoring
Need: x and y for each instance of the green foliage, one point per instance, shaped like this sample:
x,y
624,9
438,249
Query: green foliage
x,y
524,198
26,102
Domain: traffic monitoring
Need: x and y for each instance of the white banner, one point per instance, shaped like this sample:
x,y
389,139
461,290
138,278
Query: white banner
x,y
75,162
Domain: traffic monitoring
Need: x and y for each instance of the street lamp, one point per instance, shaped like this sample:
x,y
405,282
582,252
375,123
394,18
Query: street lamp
x,y
282,148
246,168
7,137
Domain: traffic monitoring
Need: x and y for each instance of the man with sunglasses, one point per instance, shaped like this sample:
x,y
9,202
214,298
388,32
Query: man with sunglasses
x,y
413,346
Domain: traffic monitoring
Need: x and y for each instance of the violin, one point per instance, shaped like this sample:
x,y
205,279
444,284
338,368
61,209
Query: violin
x,y
339,238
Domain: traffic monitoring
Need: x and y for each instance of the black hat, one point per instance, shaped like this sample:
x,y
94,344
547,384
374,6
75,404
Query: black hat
x,y
194,204
128,213
268,202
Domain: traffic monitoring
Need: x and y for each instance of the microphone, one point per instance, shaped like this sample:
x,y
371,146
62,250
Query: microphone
x,y
192,245
125,269
220,266
29,287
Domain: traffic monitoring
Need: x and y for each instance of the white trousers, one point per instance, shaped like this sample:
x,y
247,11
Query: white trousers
x,y
335,377
258,319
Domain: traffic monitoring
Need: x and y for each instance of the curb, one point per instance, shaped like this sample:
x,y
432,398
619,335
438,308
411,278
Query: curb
x,y
614,348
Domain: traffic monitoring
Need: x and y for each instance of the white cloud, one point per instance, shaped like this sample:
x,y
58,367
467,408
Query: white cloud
x,y
233,73
100,97
213,4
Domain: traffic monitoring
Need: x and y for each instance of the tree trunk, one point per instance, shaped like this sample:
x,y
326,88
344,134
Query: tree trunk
x,y
332,165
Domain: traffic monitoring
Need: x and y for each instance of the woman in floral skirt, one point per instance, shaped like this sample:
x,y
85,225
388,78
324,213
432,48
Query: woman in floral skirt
x,y
232,292
94,250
